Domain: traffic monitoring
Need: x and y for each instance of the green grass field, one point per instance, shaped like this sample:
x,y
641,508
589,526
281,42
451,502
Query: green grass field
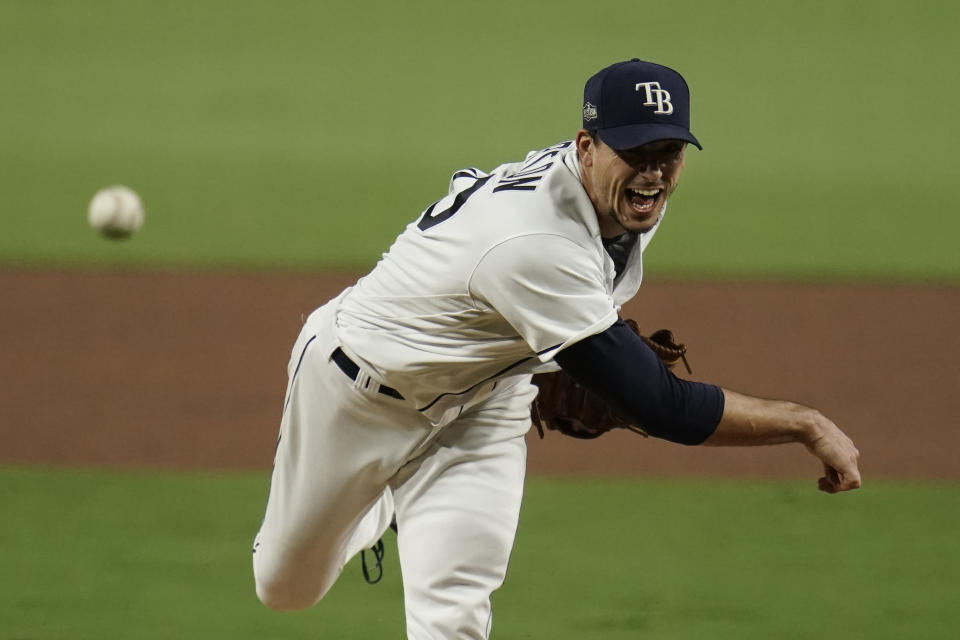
x,y
307,135
148,555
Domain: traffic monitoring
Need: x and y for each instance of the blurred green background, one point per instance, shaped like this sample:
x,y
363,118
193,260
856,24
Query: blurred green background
x,y
307,134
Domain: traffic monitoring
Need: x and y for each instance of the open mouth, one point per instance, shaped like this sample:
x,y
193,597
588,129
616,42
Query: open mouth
x,y
643,200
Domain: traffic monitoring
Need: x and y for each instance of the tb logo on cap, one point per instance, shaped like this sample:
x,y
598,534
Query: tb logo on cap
x,y
656,97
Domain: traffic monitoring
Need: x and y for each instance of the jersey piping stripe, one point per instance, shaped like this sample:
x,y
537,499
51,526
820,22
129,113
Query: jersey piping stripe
x,y
540,353
487,379
296,371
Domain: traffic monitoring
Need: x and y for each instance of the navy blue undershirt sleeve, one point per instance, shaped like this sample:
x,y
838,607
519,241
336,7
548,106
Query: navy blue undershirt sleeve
x,y
620,368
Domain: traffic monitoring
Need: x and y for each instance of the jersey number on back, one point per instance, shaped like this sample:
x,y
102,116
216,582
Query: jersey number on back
x,y
430,218
526,178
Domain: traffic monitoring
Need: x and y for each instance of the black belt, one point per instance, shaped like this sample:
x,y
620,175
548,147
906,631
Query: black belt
x,y
350,368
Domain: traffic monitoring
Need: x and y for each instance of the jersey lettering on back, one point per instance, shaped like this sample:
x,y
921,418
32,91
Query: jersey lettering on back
x,y
526,178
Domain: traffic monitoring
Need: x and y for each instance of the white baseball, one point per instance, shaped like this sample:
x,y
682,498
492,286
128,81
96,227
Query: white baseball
x,y
116,211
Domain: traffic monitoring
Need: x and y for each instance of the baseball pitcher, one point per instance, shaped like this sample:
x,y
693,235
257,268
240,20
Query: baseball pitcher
x,y
410,393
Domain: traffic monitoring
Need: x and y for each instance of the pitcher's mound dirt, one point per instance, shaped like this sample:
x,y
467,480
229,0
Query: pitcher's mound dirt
x,y
187,370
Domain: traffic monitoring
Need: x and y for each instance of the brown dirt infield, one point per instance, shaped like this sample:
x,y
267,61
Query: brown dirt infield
x,y
187,370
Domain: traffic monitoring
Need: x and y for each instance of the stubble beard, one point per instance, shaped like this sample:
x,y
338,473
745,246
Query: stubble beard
x,y
613,216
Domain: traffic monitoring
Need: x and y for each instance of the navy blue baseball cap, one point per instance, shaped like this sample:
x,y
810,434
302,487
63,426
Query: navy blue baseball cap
x,y
635,102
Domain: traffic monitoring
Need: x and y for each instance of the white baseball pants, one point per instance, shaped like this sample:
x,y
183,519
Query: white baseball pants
x,y
350,458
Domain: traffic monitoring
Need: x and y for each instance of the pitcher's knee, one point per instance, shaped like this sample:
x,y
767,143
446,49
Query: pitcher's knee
x,y
281,595
286,587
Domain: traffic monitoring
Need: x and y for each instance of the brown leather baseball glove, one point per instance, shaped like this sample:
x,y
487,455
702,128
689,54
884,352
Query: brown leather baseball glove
x,y
565,406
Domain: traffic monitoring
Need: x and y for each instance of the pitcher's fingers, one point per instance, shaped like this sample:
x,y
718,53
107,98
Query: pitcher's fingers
x,y
849,473
850,479
830,480
835,481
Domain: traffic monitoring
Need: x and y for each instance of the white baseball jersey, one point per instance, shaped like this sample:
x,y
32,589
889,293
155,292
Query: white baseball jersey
x,y
492,280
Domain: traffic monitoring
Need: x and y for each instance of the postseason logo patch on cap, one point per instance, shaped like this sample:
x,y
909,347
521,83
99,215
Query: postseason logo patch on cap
x,y
589,112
